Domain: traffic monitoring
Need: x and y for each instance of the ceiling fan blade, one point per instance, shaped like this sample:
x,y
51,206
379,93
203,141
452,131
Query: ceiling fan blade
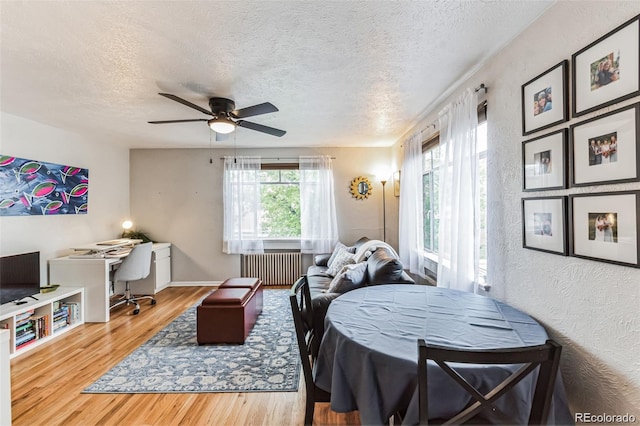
x,y
260,128
176,121
187,103
259,109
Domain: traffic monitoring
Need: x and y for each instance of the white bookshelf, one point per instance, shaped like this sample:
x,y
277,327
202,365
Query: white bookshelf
x,y
44,306
5,379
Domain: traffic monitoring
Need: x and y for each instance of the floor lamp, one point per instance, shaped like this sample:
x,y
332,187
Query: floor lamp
x,y
384,214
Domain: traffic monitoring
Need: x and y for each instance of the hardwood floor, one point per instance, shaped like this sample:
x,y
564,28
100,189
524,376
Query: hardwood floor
x,y
46,382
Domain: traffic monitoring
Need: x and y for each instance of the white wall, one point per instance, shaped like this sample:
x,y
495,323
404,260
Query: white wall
x,y
591,308
108,165
176,196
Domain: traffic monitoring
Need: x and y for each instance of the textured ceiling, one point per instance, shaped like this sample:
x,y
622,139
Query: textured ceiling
x,y
356,73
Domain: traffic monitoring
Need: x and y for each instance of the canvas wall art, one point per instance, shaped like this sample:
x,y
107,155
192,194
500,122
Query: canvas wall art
x,y
30,187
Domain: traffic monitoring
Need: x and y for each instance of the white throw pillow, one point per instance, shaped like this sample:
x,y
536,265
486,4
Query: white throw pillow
x,y
342,258
337,249
349,278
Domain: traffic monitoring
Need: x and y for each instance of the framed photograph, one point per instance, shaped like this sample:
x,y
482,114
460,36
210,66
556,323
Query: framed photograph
x,y
396,183
604,149
543,162
544,99
544,224
608,70
604,227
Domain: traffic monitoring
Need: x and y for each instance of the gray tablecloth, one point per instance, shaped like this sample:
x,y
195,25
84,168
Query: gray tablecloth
x,y
368,357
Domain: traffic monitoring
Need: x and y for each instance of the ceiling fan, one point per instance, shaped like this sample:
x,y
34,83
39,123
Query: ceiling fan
x,y
226,117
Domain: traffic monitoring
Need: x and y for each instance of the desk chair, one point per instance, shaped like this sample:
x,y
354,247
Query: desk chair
x,y
136,266
300,298
483,410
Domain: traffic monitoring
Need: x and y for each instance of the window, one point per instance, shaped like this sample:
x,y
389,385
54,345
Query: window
x,y
280,201
430,164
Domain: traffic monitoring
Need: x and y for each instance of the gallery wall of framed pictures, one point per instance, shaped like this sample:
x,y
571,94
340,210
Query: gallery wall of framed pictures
x,y
600,150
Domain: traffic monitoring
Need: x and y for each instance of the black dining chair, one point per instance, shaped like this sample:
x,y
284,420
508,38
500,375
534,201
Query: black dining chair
x,y
300,298
483,410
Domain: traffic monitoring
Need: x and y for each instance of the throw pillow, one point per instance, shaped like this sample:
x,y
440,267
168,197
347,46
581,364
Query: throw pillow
x,y
350,278
342,258
337,249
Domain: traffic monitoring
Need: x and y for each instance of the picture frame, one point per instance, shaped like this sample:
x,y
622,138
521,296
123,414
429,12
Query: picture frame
x,y
544,161
604,227
544,224
607,71
396,183
606,149
539,111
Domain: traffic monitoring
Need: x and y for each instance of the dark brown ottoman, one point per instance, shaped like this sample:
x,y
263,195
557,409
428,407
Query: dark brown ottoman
x,y
255,284
226,316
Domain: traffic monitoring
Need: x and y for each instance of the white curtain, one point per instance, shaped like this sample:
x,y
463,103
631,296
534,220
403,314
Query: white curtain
x,y
318,219
411,207
459,207
241,199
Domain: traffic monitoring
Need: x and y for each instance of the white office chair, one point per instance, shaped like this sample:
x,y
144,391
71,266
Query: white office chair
x,y
136,266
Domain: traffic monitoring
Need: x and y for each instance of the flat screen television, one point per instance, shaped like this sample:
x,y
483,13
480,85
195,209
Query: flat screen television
x,y
19,276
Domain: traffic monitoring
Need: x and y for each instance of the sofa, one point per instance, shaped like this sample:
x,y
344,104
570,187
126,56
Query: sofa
x,y
375,263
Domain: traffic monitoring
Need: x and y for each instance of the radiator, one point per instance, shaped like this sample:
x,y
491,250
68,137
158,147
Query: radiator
x,y
273,268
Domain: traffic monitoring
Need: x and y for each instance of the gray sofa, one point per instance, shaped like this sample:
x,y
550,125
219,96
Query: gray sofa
x,y
382,267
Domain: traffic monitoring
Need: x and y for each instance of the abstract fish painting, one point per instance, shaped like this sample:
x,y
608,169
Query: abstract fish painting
x,y
30,187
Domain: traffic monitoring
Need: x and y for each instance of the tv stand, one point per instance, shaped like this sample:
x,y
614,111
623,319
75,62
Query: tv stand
x,y
46,313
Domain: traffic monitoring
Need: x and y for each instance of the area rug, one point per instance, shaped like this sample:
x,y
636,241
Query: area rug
x,y
173,362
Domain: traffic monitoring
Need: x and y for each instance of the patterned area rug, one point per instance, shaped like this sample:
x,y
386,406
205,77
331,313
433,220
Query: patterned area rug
x,y
172,361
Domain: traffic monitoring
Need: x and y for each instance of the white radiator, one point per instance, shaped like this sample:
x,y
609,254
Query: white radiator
x,y
273,268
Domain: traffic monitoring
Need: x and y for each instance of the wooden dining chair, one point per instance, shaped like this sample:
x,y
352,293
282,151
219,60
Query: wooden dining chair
x,y
546,356
300,298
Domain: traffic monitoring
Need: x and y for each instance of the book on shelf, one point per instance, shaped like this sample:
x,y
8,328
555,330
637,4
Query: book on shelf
x,y
60,315
25,332
40,324
73,309
25,338
59,323
22,345
25,315
24,326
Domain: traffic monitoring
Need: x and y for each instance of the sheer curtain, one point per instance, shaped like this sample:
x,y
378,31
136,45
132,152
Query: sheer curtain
x,y
241,199
459,207
411,207
318,219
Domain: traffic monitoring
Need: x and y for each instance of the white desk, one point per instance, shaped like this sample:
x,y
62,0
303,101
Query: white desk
x,y
93,275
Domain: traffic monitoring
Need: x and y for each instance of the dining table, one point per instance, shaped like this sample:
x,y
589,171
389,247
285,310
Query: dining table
x,y
368,357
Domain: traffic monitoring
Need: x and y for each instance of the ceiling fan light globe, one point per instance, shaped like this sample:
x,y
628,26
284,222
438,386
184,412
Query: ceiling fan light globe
x,y
222,125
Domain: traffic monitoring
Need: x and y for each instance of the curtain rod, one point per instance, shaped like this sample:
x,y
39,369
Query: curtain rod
x,y
477,89
481,87
273,158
